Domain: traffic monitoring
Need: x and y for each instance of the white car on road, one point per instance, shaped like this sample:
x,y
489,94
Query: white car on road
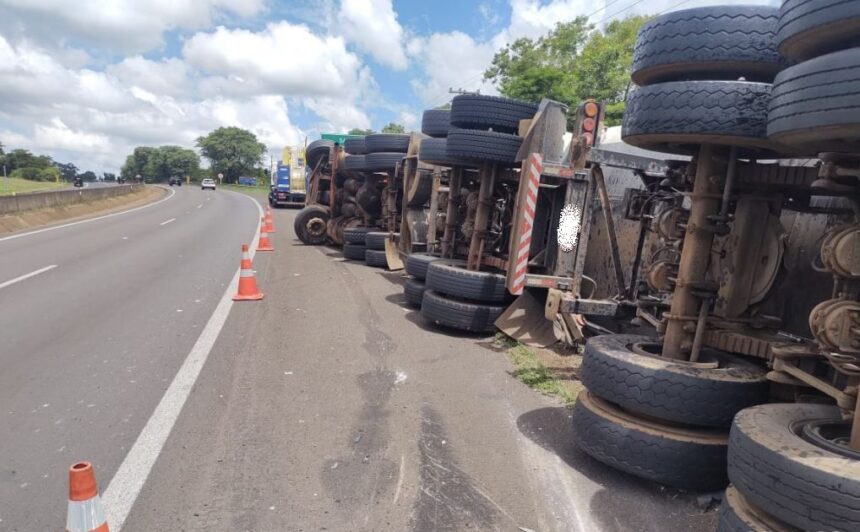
x,y
207,183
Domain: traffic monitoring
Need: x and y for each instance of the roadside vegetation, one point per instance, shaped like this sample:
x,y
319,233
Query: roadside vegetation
x,y
15,185
532,372
572,63
38,171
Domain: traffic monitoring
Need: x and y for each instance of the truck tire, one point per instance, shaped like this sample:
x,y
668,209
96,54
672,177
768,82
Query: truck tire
x,y
420,190
316,150
738,515
462,315
310,225
808,28
679,116
775,464
386,142
715,42
353,251
376,239
814,106
435,152
355,146
483,146
436,122
682,457
356,235
413,291
669,389
355,163
375,258
452,278
417,263
475,111
382,161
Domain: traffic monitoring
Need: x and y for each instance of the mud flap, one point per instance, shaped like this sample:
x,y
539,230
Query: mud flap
x,y
392,256
524,321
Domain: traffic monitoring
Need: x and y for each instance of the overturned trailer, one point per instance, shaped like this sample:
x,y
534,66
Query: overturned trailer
x,y
722,276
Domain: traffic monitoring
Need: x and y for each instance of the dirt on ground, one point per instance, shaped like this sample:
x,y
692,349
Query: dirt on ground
x,y
20,221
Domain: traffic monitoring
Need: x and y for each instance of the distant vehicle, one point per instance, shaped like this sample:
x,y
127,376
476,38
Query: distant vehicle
x,y
207,183
79,182
175,181
287,188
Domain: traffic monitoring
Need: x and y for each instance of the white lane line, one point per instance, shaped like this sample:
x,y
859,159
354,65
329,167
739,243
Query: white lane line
x,y
27,276
165,222
129,479
200,206
55,227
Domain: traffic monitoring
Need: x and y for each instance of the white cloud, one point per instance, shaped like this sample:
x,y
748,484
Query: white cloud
x,y
121,25
450,60
94,119
456,60
372,25
284,58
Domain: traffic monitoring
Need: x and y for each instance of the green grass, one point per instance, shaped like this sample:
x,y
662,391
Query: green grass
x,y
531,372
12,185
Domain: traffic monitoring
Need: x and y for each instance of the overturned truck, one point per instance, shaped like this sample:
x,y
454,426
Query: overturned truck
x,y
710,261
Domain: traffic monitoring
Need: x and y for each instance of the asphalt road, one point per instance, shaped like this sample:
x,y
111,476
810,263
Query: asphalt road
x,y
89,345
329,405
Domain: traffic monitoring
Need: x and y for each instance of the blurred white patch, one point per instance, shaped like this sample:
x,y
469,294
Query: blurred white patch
x,y
568,227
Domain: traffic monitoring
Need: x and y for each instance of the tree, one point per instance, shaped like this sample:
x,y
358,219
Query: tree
x,y
232,151
160,164
358,131
25,159
68,171
89,175
108,176
135,164
572,63
393,128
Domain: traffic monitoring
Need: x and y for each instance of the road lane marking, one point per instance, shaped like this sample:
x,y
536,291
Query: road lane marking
x,y
125,486
27,276
165,222
55,227
200,206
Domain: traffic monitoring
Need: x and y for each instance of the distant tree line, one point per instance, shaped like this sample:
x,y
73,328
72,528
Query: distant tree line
x,y
231,151
391,127
23,164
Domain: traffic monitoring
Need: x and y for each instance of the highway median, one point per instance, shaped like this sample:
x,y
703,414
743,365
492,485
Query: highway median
x,y
40,209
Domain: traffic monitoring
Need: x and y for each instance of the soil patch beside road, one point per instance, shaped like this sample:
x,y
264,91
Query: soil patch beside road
x,y
20,221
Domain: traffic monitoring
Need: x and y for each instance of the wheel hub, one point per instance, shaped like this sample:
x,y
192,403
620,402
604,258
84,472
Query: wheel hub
x,y
833,435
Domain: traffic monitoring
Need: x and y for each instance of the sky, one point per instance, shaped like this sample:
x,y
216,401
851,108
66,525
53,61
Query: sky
x,y
86,81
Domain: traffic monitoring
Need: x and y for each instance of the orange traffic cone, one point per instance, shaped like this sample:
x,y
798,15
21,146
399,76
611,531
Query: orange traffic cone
x,y
264,244
246,263
85,512
248,290
270,221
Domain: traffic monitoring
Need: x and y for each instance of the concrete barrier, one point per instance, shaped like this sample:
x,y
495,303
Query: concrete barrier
x,y
57,198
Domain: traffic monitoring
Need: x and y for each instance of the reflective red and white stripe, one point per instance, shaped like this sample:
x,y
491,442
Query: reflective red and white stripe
x,y
522,258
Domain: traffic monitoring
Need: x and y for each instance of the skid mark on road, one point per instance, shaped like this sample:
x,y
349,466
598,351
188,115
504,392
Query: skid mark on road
x,y
363,473
448,498
27,276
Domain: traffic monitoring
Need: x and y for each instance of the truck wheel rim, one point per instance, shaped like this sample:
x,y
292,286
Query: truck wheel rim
x,y
830,434
316,226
